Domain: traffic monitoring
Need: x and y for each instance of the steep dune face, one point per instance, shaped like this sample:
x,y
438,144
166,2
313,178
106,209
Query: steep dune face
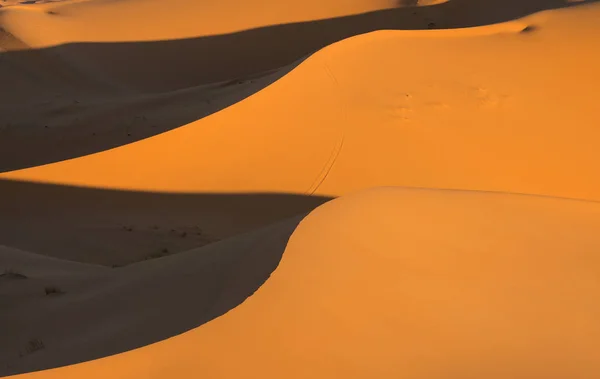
x,y
127,70
186,42
508,108
110,83
421,284
101,311
156,47
406,283
114,228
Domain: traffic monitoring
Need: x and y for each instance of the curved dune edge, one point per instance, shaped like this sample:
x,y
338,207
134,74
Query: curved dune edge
x,y
103,311
358,115
365,289
389,282
151,20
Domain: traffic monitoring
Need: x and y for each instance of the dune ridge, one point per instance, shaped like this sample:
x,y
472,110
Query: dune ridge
x,y
167,174
352,285
390,122
121,115
81,324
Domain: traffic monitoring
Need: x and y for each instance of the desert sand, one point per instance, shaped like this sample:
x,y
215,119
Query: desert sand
x,y
269,189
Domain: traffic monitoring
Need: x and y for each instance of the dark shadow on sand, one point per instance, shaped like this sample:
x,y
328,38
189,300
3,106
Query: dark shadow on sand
x,y
143,298
71,222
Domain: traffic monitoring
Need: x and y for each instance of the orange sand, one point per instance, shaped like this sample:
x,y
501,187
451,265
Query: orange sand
x,y
414,284
477,259
488,108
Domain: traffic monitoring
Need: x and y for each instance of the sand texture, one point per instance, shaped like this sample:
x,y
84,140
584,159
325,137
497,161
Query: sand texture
x,y
307,190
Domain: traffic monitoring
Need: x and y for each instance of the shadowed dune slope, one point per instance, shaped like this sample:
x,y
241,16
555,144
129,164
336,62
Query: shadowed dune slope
x,y
102,311
116,228
51,110
415,284
508,107
108,73
208,39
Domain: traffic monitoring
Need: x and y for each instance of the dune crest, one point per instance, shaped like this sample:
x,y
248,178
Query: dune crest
x,y
403,122
364,289
150,20
168,173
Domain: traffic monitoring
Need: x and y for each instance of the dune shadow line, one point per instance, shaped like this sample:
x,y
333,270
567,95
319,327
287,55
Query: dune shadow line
x,y
175,70
137,298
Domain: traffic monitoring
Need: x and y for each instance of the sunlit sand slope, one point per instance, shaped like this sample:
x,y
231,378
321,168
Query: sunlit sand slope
x,y
107,73
150,20
417,284
508,107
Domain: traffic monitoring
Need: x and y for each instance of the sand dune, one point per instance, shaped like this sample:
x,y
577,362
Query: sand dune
x,y
94,66
158,162
114,228
81,322
391,108
53,111
365,289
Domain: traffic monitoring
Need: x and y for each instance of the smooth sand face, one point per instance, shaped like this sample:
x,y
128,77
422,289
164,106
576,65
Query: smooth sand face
x,y
364,289
150,20
210,120
469,109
